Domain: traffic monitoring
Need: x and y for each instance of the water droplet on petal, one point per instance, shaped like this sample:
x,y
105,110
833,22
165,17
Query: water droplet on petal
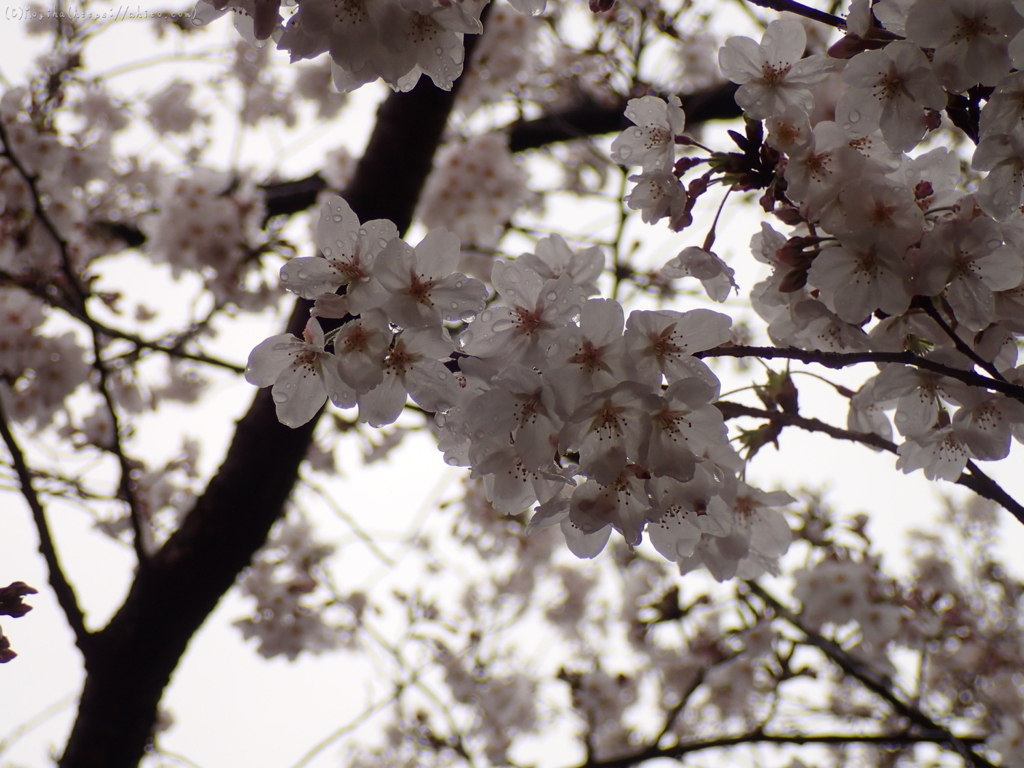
x,y
458,284
486,316
551,296
452,461
466,338
280,397
467,317
440,419
854,116
455,305
625,152
327,252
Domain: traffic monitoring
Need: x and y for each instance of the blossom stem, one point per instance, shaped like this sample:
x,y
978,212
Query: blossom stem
x,y
802,10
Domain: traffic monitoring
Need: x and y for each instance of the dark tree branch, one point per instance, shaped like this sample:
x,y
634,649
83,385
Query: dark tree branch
x,y
62,588
972,477
894,740
802,10
875,682
131,660
837,360
79,294
589,118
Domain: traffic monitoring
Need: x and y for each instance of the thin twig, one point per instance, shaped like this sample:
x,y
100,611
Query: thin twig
x,y
78,301
878,684
838,360
802,10
961,346
972,478
61,586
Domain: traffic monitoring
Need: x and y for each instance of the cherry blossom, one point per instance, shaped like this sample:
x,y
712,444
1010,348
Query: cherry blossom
x,y
651,144
774,74
349,251
890,89
301,372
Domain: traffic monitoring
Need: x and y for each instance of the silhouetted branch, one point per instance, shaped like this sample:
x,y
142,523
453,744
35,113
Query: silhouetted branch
x,y
837,360
972,477
875,682
62,588
132,658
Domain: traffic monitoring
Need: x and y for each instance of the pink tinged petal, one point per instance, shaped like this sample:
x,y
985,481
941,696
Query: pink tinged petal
x,y
338,228
581,544
770,534
270,358
984,430
432,386
672,535
741,59
458,297
437,254
601,321
310,276
338,390
298,394
490,334
784,42
384,403
517,284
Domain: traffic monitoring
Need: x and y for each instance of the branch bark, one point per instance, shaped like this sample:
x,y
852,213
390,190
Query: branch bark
x,y
129,663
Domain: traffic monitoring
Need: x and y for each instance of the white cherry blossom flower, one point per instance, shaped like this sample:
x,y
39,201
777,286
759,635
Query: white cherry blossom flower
x,y
940,453
661,342
621,503
589,358
651,144
862,274
422,283
552,258
773,75
412,368
349,251
985,422
301,372
609,429
890,89
658,194
970,38
536,311
715,275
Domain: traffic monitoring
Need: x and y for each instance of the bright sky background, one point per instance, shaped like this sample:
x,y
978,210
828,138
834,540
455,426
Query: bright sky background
x,y
234,708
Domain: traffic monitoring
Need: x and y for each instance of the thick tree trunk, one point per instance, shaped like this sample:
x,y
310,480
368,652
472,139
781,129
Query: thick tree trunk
x,y
130,661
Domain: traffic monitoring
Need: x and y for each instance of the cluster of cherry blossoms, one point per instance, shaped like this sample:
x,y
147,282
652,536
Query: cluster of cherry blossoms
x,y
884,253
392,40
551,396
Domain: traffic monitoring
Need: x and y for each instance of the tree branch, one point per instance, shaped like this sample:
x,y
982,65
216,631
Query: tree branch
x,y
972,477
62,588
133,657
588,118
878,684
757,737
837,360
